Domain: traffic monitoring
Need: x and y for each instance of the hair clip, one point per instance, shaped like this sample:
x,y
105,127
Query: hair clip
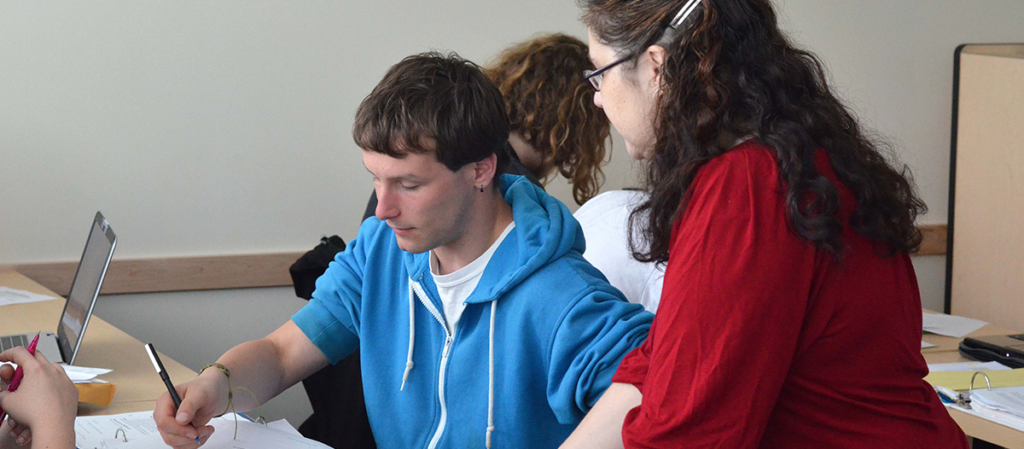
x,y
680,17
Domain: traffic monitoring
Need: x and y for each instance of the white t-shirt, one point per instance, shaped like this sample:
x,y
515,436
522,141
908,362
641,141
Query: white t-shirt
x,y
454,288
605,220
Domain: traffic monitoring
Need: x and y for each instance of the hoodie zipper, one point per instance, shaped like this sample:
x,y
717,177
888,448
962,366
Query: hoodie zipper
x,y
449,337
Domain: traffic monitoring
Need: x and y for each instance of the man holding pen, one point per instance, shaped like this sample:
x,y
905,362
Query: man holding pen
x,y
42,410
478,320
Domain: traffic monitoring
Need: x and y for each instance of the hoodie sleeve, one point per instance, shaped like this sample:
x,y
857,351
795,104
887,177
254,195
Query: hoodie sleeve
x,y
592,336
331,319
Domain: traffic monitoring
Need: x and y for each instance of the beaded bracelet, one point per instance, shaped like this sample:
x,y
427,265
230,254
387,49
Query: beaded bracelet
x,y
231,397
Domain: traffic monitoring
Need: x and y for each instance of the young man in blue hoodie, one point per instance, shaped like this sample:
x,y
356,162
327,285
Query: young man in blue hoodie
x,y
479,322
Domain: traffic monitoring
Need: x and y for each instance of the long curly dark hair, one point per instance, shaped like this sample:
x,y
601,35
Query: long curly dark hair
x,y
730,72
552,107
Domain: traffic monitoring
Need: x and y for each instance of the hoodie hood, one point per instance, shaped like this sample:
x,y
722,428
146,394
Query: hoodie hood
x,y
545,231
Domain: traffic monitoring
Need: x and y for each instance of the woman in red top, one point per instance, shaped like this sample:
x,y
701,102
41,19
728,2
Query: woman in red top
x,y
790,315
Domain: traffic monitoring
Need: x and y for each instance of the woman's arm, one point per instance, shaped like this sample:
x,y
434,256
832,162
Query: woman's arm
x,y
602,427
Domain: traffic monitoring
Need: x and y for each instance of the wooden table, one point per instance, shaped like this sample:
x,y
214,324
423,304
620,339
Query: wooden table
x,y
104,346
973,426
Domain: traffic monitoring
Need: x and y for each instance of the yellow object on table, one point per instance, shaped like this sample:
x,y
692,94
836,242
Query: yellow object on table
x,y
961,380
97,393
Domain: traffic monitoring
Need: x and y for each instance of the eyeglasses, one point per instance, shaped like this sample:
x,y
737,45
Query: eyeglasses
x,y
596,76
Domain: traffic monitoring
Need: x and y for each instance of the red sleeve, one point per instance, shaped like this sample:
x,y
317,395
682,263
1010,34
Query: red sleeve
x,y
634,366
736,289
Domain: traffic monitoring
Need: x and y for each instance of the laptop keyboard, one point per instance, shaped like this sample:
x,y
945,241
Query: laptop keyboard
x,y
13,342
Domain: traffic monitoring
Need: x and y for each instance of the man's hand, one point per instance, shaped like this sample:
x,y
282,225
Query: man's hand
x,y
266,367
201,400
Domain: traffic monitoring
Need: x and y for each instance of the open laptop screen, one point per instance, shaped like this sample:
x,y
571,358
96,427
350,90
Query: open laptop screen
x,y
85,287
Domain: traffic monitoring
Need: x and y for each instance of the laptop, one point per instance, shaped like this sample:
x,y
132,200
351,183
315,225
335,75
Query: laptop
x,y
62,347
1005,349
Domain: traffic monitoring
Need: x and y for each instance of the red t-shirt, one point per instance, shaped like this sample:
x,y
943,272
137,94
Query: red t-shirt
x,y
764,341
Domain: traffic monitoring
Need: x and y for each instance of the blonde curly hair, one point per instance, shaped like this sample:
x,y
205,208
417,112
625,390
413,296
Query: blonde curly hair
x,y
552,107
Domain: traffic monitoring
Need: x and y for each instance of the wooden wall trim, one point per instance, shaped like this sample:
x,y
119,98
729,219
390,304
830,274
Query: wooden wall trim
x,y
934,240
244,271
173,274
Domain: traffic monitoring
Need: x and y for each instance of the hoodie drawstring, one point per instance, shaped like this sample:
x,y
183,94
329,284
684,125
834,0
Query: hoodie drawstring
x,y
490,358
490,377
412,335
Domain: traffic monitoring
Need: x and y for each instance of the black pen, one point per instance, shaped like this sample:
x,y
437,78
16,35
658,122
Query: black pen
x,y
167,380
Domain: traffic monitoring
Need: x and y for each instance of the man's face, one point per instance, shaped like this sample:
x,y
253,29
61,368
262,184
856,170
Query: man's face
x,y
424,202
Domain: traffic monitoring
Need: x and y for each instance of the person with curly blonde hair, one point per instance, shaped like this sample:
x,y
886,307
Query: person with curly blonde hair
x,y
555,125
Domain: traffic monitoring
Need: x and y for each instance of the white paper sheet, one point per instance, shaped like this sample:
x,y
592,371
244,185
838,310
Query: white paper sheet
x,y
951,325
96,432
250,436
79,374
991,415
10,296
967,366
926,345
1008,400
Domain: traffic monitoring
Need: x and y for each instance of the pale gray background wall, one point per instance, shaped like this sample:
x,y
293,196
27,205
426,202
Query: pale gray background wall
x,y
206,128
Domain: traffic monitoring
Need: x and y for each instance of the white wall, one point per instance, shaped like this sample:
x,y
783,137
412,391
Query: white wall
x,y
223,127
209,127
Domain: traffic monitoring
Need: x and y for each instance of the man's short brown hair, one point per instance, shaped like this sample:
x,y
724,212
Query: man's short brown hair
x,y
437,103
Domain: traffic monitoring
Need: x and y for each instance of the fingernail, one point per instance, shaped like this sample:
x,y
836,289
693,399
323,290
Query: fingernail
x,y
11,422
21,441
182,418
191,434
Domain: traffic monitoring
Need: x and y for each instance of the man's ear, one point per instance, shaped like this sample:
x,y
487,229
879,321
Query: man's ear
x,y
485,171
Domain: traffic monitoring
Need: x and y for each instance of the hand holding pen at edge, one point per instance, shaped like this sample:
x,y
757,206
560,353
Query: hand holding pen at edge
x,y
179,422
19,373
43,401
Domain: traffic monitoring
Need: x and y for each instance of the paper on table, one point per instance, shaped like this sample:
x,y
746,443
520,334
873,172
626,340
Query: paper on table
x,y
950,325
991,415
250,436
96,432
926,345
79,374
1005,400
10,296
967,366
283,425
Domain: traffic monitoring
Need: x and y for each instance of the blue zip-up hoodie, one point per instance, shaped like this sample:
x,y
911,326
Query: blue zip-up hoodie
x,y
540,338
